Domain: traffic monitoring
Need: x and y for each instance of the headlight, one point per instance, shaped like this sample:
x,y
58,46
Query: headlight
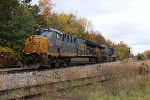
x,y
34,51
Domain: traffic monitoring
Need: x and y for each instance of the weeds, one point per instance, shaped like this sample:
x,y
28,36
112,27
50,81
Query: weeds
x,y
128,84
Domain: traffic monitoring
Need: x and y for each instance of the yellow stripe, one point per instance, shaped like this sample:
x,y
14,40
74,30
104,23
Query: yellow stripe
x,y
27,53
69,55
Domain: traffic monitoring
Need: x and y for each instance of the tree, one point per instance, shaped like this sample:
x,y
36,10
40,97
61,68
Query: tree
x,y
147,53
109,43
39,18
68,23
122,50
46,10
7,10
140,56
91,37
22,25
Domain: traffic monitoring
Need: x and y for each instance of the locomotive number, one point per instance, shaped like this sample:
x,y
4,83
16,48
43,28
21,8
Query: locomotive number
x,y
82,47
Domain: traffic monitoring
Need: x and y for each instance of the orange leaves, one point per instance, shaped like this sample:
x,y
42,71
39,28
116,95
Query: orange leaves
x,y
46,8
92,37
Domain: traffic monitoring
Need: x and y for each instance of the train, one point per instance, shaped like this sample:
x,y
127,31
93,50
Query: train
x,y
52,48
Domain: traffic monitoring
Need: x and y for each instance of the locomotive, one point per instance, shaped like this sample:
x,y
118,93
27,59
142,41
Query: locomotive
x,y
49,47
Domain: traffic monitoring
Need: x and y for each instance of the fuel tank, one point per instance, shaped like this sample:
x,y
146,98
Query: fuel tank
x,y
77,61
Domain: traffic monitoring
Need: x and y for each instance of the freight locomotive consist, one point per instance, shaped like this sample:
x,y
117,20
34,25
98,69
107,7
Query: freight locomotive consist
x,y
50,47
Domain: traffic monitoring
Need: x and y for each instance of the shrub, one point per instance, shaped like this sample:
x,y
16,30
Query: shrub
x,y
8,57
140,56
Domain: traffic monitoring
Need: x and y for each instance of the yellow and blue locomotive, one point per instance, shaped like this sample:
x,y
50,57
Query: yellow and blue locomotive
x,y
50,47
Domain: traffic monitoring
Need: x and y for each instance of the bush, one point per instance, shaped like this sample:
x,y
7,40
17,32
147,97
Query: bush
x,y
8,57
140,56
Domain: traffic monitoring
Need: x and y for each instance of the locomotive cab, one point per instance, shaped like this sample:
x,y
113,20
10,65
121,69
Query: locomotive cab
x,y
35,48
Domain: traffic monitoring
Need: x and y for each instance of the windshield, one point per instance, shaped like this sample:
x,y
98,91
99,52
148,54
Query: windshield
x,y
37,32
46,34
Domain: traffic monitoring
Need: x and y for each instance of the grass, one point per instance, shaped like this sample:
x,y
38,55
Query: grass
x,y
114,90
127,85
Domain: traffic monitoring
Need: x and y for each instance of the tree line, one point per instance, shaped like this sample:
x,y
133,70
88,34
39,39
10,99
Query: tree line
x,y
19,19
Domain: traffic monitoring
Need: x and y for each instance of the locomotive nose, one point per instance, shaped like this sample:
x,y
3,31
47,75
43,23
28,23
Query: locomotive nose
x,y
36,44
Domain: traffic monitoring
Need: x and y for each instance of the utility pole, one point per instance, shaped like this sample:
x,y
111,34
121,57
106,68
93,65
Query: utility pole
x,y
129,52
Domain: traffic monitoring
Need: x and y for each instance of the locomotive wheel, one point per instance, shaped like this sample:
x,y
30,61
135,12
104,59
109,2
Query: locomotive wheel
x,y
66,63
32,61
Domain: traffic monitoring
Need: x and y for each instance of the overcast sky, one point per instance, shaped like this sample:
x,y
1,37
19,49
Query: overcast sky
x,y
117,20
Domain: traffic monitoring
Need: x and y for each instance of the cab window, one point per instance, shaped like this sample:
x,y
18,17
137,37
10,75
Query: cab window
x,y
64,36
58,35
74,39
67,38
71,39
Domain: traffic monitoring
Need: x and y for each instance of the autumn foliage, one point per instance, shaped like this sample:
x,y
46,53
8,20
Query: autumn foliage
x,y
26,17
7,57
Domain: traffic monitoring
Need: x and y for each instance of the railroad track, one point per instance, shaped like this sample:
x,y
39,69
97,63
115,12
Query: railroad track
x,y
31,92
21,70
17,69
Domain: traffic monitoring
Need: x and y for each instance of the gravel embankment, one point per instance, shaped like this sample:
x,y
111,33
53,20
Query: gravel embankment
x,y
10,81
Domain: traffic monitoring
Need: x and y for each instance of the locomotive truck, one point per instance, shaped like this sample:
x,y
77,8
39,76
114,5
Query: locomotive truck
x,y
49,47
